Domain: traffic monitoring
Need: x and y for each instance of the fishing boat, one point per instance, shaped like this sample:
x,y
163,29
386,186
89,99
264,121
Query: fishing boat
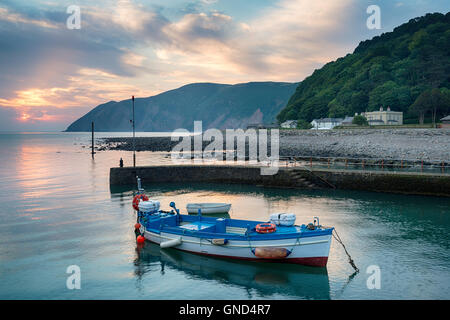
x,y
232,238
208,208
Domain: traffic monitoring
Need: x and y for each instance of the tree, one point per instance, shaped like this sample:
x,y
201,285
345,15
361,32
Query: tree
x,y
439,102
360,121
302,124
392,69
434,100
421,106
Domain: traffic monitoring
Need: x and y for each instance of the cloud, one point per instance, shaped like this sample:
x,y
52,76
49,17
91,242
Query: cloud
x,y
197,32
45,65
7,117
7,15
131,16
284,43
139,48
292,38
88,87
123,48
44,119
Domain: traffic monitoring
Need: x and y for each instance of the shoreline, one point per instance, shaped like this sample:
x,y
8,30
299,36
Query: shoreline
x,y
413,145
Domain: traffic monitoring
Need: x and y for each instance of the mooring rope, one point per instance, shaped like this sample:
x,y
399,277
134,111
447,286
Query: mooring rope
x,y
350,260
250,244
295,244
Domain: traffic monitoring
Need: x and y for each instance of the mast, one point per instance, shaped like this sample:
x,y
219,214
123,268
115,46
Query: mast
x,y
134,136
92,141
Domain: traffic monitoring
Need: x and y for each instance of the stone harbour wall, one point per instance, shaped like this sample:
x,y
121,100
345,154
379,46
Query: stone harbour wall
x,y
393,182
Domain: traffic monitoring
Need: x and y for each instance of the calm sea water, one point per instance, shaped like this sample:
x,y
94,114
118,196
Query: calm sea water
x,y
57,209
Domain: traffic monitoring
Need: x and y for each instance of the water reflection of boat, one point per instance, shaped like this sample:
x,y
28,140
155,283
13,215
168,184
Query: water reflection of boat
x,y
299,282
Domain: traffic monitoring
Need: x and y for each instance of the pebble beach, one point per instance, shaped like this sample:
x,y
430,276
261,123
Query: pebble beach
x,y
389,144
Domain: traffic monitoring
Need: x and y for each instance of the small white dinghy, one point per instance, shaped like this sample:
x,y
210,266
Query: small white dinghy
x,y
208,208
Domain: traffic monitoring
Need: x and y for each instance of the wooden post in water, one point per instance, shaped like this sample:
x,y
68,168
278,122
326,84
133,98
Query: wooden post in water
x,y
92,143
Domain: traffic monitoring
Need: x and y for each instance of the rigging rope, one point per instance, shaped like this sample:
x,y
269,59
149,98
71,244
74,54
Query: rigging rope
x,y
350,260
295,244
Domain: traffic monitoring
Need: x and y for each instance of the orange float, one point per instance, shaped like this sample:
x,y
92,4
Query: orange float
x,y
140,239
137,199
265,228
271,253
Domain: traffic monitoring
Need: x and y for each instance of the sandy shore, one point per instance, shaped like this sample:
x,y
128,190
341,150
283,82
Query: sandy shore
x,y
389,144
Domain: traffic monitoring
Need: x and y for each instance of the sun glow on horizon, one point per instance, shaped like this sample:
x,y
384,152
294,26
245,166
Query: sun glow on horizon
x,y
24,117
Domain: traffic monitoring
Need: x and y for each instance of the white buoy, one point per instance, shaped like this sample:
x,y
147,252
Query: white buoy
x,y
170,243
140,190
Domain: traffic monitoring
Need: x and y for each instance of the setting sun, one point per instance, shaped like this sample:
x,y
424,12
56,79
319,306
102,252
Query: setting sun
x,y
24,117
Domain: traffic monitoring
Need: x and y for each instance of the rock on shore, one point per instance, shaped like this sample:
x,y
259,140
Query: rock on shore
x,y
388,144
394,144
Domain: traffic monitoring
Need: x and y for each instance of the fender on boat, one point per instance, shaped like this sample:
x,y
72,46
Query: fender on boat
x,y
219,242
170,243
271,253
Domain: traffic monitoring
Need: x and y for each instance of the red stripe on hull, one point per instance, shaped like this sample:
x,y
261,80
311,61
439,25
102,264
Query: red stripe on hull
x,y
312,261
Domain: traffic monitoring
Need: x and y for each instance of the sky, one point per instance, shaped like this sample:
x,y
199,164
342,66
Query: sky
x,y
50,74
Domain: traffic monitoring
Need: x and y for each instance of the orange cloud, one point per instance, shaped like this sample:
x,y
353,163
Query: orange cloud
x,y
88,87
30,116
285,42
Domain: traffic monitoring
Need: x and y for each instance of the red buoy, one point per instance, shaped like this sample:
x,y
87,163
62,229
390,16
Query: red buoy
x,y
140,239
266,228
137,199
137,226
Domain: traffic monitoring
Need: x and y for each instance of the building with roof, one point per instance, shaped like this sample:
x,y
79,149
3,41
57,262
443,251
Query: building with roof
x,y
381,117
289,124
348,121
445,122
326,123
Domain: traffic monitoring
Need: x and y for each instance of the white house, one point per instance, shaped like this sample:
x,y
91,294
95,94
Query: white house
x,y
388,117
445,122
326,123
289,124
